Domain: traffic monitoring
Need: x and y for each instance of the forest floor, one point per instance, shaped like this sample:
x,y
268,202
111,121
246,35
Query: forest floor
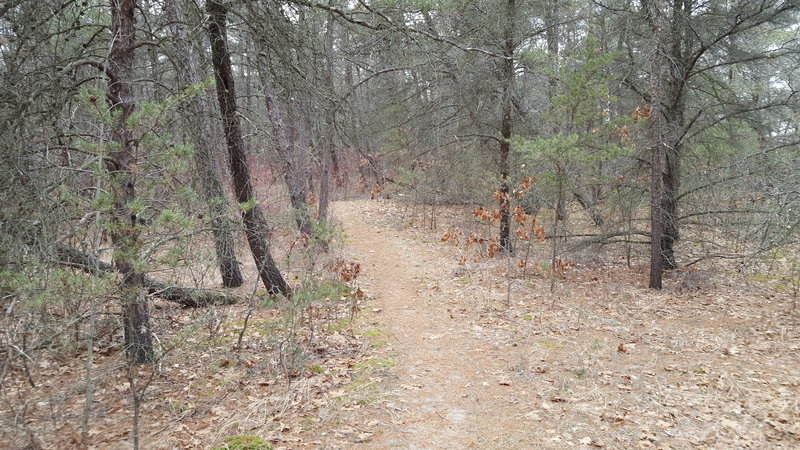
x,y
435,347
711,361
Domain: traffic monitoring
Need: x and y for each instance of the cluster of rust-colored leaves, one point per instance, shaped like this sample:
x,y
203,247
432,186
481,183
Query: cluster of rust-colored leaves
x,y
345,271
526,226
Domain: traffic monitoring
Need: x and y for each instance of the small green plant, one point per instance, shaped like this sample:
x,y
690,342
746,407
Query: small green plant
x,y
376,338
323,233
244,442
322,290
549,345
178,407
338,326
360,388
374,363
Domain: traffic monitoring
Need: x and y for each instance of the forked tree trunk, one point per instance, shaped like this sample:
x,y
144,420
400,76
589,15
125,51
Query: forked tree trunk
x,y
254,222
200,133
120,162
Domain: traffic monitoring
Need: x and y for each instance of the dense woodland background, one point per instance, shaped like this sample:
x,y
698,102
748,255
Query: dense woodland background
x,y
157,149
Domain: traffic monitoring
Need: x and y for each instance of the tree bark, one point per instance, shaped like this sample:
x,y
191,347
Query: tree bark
x,y
551,35
328,150
679,42
669,204
507,75
254,222
120,163
200,133
294,160
659,73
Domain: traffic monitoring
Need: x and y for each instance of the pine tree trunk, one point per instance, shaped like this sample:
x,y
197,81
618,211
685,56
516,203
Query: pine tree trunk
x,y
293,157
120,163
659,73
200,133
506,125
328,153
255,224
669,206
680,37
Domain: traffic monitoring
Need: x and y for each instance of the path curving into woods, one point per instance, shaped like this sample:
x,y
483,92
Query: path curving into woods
x,y
448,387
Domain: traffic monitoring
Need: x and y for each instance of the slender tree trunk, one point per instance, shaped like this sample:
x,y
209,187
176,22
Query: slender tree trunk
x,y
656,214
551,34
200,130
254,222
155,87
558,217
674,114
290,132
506,124
681,37
659,72
121,160
669,205
327,155
294,160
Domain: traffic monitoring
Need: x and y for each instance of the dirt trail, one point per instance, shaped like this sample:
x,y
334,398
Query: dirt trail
x,y
447,388
603,362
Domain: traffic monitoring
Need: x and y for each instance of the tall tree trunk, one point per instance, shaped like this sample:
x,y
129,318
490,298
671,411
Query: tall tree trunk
x,y
551,34
669,203
295,167
659,73
288,127
200,131
254,222
507,75
121,160
328,150
680,36
326,157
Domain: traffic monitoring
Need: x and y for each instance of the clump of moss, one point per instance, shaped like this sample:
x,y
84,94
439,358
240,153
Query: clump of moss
x,y
244,442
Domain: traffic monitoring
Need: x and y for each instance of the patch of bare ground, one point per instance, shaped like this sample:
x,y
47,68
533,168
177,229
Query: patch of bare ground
x,y
601,362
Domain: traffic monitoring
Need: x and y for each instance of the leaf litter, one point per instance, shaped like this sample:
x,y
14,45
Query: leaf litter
x,y
441,356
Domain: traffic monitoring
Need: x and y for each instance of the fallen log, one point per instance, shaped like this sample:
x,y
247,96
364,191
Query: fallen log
x,y
190,297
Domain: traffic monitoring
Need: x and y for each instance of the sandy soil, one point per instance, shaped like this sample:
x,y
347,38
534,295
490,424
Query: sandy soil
x,y
602,362
449,387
